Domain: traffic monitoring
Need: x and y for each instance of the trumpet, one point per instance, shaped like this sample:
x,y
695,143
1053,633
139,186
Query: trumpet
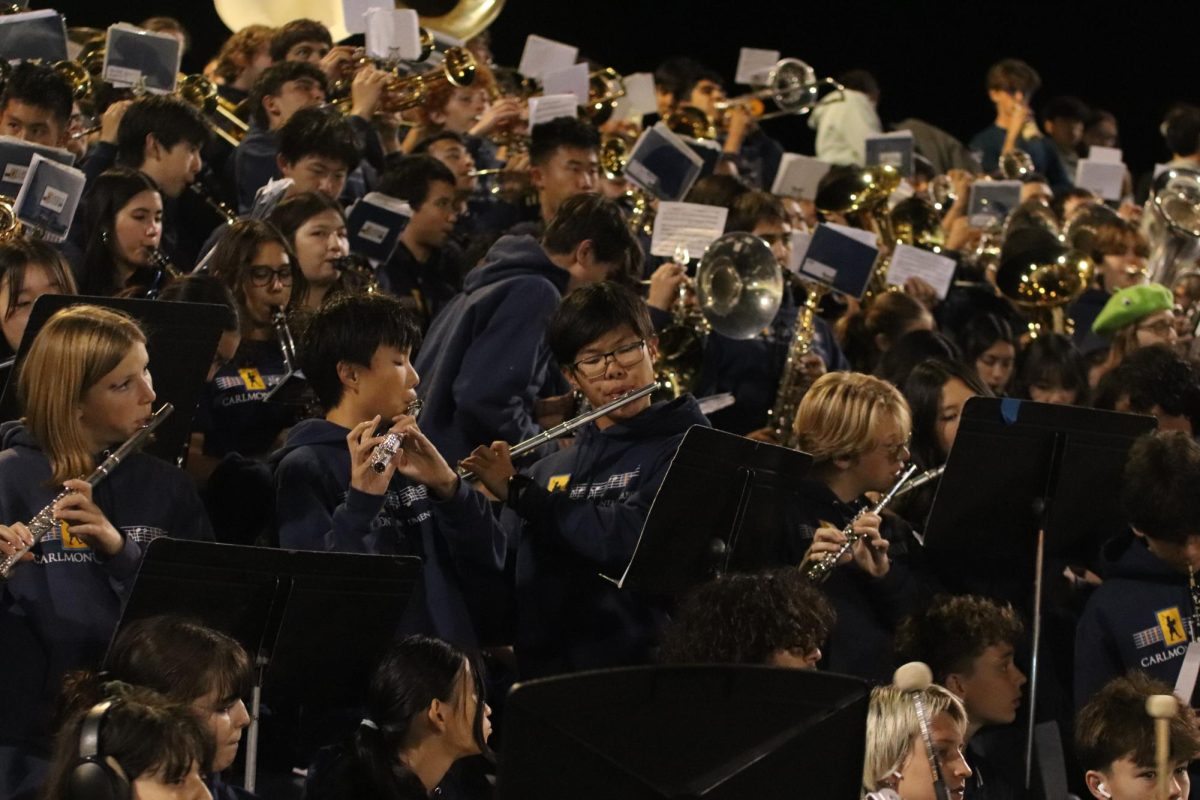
x,y
44,521
383,453
201,93
563,428
819,571
409,91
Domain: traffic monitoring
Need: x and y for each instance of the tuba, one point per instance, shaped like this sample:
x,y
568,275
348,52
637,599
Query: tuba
x,y
605,88
1041,275
1174,223
739,286
861,195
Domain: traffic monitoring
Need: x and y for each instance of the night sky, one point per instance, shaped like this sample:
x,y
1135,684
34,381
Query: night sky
x,y
930,56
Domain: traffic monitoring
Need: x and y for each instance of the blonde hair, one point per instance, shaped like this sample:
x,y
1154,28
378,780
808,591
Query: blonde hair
x,y
75,349
842,412
892,725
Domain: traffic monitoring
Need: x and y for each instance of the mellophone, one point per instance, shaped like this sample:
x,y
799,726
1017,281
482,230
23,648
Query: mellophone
x,y
385,450
44,521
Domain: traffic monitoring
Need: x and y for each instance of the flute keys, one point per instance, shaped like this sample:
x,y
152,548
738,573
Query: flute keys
x,y
383,453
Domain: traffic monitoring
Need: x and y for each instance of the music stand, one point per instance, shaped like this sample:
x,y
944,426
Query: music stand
x,y
1025,479
277,603
180,338
721,507
722,732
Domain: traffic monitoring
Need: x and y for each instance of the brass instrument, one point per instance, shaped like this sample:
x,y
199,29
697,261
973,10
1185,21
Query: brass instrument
x,y
222,210
464,19
738,286
410,91
44,521
614,156
861,195
605,88
563,428
383,453
792,85
792,383
1041,275
1174,223
819,571
201,93
10,227
1016,164
691,122
940,194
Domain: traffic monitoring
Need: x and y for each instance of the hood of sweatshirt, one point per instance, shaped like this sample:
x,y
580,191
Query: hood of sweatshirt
x,y
1126,556
512,256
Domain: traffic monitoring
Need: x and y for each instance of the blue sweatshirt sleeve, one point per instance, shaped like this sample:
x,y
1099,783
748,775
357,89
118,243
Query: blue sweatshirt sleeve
x,y
1097,659
310,516
497,382
471,529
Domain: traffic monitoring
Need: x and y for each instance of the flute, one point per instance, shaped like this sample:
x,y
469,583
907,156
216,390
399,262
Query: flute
x,y
564,428
818,571
383,453
44,521
916,483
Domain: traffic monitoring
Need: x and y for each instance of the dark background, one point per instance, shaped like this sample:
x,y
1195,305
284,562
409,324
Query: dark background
x,y
930,56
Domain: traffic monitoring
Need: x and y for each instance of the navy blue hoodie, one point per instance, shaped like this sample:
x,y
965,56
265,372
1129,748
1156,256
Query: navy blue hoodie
x,y
317,510
582,520
58,611
485,356
1140,618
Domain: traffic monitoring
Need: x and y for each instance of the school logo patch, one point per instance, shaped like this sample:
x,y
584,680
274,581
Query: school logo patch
x,y
252,379
69,540
558,482
1171,624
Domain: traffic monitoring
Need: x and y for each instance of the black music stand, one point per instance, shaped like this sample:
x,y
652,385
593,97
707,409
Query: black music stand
x,y
277,604
1025,480
722,732
721,507
180,338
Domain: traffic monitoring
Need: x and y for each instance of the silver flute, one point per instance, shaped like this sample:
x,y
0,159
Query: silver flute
x,y
383,453
44,522
925,477
563,428
818,571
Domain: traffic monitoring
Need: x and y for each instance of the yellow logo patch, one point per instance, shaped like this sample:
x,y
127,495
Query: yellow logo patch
x,y
558,482
252,379
69,540
1172,626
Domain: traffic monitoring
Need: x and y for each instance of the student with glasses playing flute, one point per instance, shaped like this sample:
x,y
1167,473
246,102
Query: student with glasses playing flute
x,y
578,512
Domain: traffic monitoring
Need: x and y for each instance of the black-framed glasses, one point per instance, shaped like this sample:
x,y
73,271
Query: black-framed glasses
x,y
627,355
265,276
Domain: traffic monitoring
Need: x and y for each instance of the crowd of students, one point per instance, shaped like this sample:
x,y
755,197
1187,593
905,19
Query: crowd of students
x,y
507,307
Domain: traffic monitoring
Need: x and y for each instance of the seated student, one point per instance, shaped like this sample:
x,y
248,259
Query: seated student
x,y
1119,250
750,369
1135,619
867,333
205,288
1158,381
1052,370
152,747
426,709
580,510
1115,741
124,228
427,268
1062,120
1010,86
85,387
280,92
485,358
968,642
910,351
309,41
485,212
36,105
1138,316
564,160
314,229
28,269
844,120
776,618
896,756
242,59
857,429
197,667
356,353
990,347
470,112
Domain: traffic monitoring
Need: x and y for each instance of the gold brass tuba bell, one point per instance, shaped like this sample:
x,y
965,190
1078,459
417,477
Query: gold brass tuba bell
x,y
861,195
1041,274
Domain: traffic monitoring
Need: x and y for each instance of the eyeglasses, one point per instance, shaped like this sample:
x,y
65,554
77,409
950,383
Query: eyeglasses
x,y
627,355
265,276
896,452
1161,328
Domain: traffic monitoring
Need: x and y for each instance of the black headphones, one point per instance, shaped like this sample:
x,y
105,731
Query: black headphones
x,y
93,778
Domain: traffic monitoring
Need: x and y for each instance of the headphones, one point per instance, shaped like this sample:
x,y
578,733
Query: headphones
x,y
1103,790
95,776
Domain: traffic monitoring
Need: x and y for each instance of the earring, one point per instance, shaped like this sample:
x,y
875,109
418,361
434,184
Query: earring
x,y
104,237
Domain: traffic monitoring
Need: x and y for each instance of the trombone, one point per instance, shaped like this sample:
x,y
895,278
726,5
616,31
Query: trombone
x,y
201,93
792,85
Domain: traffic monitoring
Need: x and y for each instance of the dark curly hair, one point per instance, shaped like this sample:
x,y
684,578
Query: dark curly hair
x,y
1158,493
954,630
745,619
1153,376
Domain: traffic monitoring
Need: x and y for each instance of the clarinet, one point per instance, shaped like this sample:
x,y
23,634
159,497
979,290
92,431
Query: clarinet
x,y
44,521
818,571
163,269
382,455
564,428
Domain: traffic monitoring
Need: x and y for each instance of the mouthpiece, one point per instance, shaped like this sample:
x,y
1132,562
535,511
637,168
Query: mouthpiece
x,y
915,676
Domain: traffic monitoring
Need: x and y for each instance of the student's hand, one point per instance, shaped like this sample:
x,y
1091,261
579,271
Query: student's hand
x,y
961,237
763,435
1130,211
738,122
421,462
86,521
870,551
111,120
920,290
13,538
826,542
501,114
492,467
366,91
664,285
338,62
362,441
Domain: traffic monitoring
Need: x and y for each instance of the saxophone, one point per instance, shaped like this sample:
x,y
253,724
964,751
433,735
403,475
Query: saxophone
x,y
792,383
